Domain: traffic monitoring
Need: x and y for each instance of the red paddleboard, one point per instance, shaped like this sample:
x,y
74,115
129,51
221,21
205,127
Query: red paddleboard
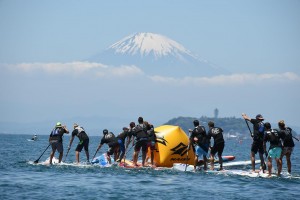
x,y
129,164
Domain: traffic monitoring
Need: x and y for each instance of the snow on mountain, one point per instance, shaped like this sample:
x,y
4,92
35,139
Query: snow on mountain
x,y
156,55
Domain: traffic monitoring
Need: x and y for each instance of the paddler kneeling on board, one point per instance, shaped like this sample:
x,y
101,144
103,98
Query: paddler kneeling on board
x,y
200,143
112,142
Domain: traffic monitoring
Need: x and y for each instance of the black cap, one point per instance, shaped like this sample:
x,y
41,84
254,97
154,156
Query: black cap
x,y
105,131
259,116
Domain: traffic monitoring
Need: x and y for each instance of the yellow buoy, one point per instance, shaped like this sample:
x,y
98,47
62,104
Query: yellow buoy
x,y
171,147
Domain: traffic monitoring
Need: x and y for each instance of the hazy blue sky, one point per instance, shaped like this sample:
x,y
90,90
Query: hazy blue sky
x,y
258,41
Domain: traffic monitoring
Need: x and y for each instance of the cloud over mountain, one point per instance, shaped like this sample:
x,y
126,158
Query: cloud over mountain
x,y
156,55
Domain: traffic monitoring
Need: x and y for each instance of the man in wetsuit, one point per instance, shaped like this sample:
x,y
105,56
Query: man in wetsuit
x,y
141,140
288,143
257,136
112,142
219,144
121,140
56,141
83,142
151,141
199,140
274,137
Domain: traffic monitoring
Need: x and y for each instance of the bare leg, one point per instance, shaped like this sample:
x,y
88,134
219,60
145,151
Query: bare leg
x,y
288,162
279,166
135,157
51,157
108,158
270,165
77,156
144,153
195,162
152,157
212,160
262,161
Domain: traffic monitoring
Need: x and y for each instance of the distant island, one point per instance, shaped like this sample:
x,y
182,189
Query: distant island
x,y
233,127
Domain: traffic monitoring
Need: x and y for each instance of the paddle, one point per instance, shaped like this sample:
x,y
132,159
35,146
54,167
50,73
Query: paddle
x,y
95,154
187,152
295,138
42,154
127,152
67,154
264,167
249,128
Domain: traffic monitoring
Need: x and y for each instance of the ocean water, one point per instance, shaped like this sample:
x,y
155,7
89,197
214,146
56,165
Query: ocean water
x,y
20,179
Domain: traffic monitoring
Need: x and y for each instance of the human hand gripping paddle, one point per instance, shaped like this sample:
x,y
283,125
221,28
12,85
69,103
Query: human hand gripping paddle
x,y
42,154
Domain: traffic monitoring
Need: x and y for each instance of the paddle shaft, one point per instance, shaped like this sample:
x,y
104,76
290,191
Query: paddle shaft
x,y
95,153
187,153
295,138
127,151
67,154
248,127
42,154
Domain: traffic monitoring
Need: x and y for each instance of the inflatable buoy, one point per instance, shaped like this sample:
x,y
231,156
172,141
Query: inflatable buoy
x,y
171,147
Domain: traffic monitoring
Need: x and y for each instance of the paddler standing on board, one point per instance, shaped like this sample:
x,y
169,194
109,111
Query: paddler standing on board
x,y
200,143
274,137
151,141
141,137
257,136
219,144
288,143
56,141
83,142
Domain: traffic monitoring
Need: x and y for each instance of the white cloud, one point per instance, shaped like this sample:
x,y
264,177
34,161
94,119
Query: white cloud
x,y
75,68
100,70
233,79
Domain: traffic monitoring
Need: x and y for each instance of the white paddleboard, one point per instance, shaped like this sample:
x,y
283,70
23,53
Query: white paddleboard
x,y
239,163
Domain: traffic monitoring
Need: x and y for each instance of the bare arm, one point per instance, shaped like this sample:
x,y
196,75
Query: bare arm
x,y
246,117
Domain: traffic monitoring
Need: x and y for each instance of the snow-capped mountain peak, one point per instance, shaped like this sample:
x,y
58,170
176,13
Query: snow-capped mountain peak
x,y
147,43
156,54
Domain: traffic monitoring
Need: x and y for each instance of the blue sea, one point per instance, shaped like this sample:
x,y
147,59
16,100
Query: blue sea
x,y
20,179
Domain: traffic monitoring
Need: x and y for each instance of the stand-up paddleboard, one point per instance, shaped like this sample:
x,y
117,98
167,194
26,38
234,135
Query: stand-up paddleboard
x,y
55,162
248,173
239,163
129,164
46,162
184,167
102,160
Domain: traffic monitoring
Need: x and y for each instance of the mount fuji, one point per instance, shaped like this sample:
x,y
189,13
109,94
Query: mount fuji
x,y
156,55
